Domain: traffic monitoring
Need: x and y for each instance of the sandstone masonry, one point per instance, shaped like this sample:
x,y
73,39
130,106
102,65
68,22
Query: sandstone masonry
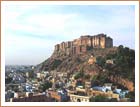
x,y
84,43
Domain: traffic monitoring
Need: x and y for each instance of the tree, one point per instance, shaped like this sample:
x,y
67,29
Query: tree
x,y
120,48
94,77
87,76
31,74
79,75
94,80
100,61
113,100
45,86
131,95
98,98
102,78
56,63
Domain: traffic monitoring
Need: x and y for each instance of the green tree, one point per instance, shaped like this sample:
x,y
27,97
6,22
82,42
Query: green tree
x,y
113,100
45,85
31,74
131,95
98,98
120,49
100,61
94,80
87,76
94,77
56,63
79,75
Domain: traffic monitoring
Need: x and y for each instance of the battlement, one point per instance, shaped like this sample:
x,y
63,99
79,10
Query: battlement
x,y
84,43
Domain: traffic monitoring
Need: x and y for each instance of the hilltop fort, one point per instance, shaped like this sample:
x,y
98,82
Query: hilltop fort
x,y
84,43
95,56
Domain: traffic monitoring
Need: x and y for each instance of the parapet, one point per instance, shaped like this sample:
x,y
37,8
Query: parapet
x,y
84,43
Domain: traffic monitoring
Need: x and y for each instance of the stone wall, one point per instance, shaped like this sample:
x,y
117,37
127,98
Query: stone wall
x,y
109,42
77,98
84,43
36,98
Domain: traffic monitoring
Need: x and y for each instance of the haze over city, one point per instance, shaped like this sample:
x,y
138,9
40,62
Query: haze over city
x,y
33,30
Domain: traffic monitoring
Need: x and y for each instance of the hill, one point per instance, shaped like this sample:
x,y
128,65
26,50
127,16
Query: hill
x,y
96,64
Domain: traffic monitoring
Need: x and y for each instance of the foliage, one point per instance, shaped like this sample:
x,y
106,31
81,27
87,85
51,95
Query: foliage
x,y
79,75
94,80
80,83
100,61
113,100
99,79
86,76
55,64
94,77
102,78
98,98
124,62
45,85
131,95
31,74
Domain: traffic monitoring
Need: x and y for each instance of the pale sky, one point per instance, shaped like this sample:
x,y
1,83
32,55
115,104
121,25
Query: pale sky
x,y
32,31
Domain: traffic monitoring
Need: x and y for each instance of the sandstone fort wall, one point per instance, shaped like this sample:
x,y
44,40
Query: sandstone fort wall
x,y
84,43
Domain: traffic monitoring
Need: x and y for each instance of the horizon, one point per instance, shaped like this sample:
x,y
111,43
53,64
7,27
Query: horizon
x,y
38,28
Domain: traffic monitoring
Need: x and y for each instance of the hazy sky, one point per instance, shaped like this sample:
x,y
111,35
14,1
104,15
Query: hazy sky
x,y
32,31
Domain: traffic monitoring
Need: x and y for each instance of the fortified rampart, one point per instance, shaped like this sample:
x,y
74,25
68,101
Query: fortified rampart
x,y
84,43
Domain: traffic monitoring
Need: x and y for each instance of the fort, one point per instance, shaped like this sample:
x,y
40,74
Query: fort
x,y
84,43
